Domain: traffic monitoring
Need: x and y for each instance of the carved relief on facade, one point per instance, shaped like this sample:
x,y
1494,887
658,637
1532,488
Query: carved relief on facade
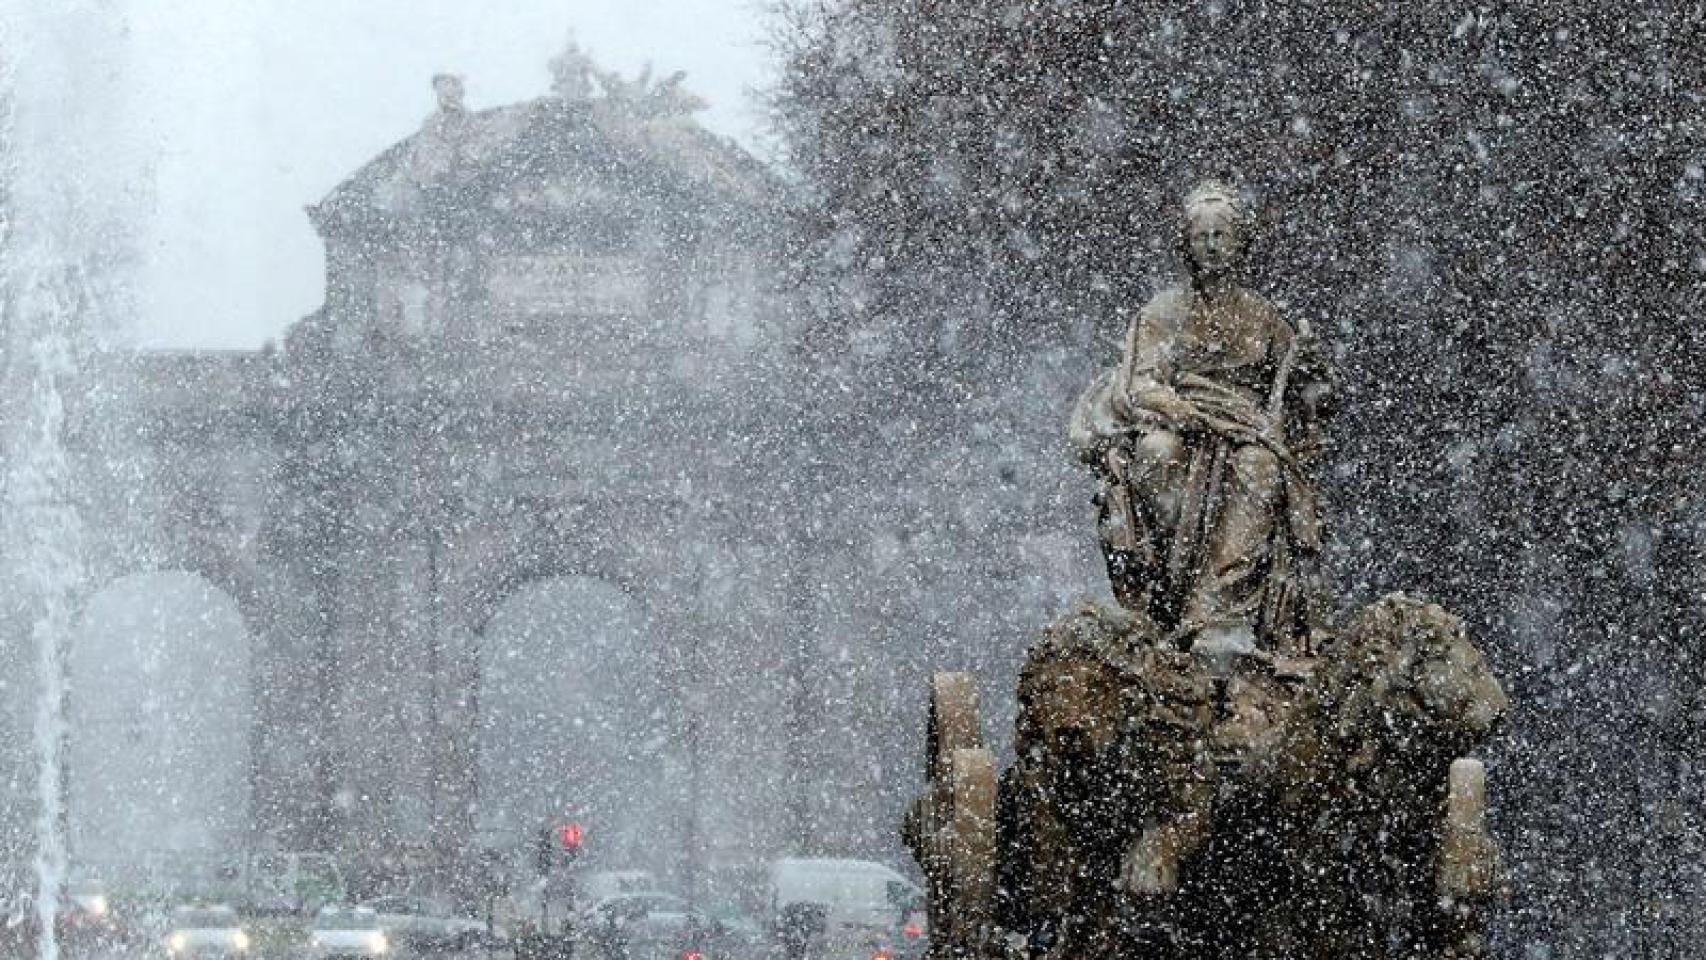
x,y
567,284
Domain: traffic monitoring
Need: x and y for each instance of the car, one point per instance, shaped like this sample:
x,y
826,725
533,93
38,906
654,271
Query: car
x,y
206,931
909,940
601,884
732,935
426,924
650,925
88,898
84,922
346,933
87,922
635,903
654,925
19,929
291,881
841,909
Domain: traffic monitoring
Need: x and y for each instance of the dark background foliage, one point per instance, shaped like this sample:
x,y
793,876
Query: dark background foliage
x,y
1492,214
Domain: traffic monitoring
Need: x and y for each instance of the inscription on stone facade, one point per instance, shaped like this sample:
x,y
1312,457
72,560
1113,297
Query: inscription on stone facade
x,y
570,284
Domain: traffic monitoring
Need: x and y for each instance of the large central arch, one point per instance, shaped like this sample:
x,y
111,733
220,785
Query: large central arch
x,y
571,720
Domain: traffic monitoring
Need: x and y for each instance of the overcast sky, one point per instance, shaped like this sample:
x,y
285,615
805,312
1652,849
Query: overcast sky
x,y
254,108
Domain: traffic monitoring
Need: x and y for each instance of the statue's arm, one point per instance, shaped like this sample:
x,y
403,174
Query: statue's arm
x,y
1146,373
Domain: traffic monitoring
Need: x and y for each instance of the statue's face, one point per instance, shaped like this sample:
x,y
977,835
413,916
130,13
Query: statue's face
x,y
1211,239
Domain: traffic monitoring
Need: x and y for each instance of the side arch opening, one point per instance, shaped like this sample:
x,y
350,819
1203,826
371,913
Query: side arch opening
x,y
159,719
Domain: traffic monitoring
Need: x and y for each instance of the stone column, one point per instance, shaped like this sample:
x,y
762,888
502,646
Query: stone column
x,y
288,769
453,762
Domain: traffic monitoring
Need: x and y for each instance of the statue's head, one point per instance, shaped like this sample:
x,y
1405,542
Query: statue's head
x,y
1217,230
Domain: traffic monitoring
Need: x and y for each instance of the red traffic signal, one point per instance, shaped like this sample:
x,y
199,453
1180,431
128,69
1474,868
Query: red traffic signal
x,y
569,836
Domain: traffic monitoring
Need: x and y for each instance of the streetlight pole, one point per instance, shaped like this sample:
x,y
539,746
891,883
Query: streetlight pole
x,y
801,623
695,773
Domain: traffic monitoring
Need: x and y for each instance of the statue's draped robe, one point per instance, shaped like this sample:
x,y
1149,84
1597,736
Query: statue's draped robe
x,y
1220,528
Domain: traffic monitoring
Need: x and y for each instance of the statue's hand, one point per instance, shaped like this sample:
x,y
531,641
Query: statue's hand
x,y
1318,400
1122,404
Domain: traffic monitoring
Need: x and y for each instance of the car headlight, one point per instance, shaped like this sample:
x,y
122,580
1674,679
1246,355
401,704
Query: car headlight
x,y
98,906
240,940
377,943
177,942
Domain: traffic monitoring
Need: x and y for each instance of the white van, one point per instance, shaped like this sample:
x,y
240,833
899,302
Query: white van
x,y
864,901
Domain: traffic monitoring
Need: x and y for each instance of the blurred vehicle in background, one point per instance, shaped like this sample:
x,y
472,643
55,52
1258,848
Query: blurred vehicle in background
x,y
347,933
426,924
598,885
636,904
84,925
88,898
653,925
733,935
914,939
87,922
840,909
798,929
206,931
650,925
290,881
909,940
18,924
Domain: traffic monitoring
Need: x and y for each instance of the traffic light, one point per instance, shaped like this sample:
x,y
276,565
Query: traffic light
x,y
569,836
559,846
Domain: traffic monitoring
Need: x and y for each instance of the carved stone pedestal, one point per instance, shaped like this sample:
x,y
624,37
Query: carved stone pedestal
x,y
1165,806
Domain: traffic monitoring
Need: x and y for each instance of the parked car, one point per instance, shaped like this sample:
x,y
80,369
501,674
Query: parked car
x,y
206,931
346,933
426,924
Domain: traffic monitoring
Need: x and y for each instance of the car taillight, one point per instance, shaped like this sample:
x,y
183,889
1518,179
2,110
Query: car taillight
x,y
912,930
883,953
691,954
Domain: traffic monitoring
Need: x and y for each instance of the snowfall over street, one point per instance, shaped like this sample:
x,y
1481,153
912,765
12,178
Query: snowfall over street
x,y
1070,479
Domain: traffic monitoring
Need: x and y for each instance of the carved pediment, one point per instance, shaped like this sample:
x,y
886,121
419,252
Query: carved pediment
x,y
545,157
